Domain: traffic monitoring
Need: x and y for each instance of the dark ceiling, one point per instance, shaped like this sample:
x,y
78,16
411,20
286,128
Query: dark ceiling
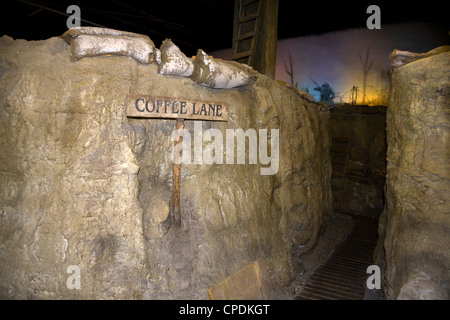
x,y
206,24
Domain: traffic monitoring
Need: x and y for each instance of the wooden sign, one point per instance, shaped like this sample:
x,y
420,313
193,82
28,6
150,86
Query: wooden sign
x,y
142,106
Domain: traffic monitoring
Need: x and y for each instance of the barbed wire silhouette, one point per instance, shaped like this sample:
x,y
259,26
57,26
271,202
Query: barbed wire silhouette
x,y
373,96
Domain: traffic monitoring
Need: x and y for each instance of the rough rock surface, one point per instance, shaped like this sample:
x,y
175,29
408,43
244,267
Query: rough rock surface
x,y
415,224
83,185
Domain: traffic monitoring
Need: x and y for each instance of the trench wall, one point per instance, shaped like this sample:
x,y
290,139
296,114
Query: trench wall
x,y
415,224
83,185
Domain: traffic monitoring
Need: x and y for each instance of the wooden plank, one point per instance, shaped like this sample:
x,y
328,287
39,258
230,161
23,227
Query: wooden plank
x,y
341,138
217,292
249,283
246,35
146,106
248,2
252,16
340,149
329,292
243,285
243,54
176,180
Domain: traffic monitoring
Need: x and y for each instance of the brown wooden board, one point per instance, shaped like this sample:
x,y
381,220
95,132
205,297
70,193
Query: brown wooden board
x,y
249,283
146,106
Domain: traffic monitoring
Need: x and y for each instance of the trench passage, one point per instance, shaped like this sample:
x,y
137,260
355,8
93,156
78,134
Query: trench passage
x,y
343,276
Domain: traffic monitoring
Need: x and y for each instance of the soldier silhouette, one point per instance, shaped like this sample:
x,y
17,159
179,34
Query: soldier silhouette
x,y
326,93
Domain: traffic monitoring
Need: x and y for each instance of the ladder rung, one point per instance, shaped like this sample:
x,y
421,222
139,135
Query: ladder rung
x,y
242,54
341,138
248,2
340,149
245,35
249,17
338,162
246,30
338,174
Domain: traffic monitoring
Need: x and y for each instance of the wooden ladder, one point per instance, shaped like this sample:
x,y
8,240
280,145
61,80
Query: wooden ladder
x,y
339,154
247,22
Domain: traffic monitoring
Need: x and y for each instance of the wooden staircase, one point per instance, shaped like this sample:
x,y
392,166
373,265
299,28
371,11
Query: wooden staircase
x,y
340,155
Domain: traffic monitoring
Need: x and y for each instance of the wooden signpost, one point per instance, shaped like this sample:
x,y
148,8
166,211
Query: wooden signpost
x,y
145,106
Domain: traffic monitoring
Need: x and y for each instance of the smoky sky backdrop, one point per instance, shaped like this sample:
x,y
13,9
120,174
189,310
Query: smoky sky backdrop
x,y
334,57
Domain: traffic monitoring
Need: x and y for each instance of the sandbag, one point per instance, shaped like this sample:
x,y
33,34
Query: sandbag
x,y
173,61
221,74
399,58
93,41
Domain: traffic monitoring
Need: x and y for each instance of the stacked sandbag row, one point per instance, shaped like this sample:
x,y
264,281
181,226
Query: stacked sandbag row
x,y
202,69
